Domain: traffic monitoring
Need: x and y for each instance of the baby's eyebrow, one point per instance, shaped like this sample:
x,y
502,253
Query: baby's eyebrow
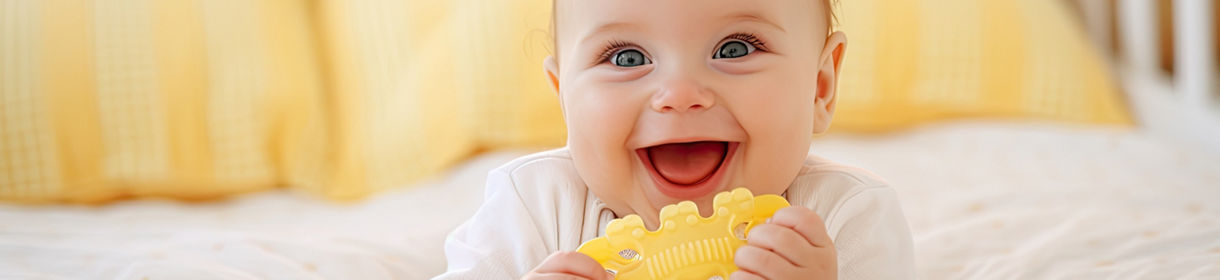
x,y
606,28
755,17
623,25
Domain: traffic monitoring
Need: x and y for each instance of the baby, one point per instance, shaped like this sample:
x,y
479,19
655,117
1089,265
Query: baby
x,y
678,100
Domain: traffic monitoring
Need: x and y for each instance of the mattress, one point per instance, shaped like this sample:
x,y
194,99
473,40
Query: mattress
x,y
985,200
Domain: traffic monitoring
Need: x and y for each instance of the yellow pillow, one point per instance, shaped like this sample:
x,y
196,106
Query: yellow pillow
x,y
190,99
911,61
500,63
198,99
416,86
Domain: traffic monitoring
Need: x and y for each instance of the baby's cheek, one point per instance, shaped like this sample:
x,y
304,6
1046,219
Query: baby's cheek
x,y
598,126
779,140
602,125
774,117
596,117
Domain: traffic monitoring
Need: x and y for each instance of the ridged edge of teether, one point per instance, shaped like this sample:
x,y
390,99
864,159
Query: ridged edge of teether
x,y
738,206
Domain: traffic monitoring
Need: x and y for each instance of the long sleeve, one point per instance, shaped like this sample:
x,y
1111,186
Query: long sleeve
x,y
501,241
533,206
873,238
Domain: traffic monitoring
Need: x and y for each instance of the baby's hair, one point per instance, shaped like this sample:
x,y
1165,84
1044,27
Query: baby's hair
x,y
832,19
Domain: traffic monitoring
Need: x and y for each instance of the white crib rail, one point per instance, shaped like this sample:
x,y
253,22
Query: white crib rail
x,y
1137,29
1195,49
1184,106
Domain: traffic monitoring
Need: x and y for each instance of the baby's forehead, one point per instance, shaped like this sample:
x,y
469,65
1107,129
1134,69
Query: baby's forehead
x,y
580,17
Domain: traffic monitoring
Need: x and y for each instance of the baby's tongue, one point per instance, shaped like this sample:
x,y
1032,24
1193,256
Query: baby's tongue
x,y
687,163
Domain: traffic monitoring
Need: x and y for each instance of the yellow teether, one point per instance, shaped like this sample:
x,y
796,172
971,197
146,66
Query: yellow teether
x,y
686,245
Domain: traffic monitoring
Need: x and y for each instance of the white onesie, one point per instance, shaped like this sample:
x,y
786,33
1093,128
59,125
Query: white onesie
x,y
537,205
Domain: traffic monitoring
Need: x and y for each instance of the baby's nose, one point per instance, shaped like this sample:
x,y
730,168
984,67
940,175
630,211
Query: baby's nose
x,y
682,95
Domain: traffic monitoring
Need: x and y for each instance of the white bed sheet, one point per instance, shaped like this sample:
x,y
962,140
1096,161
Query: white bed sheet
x,y
985,200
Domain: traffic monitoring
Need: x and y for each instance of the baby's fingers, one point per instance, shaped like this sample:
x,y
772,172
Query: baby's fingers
x,y
784,241
805,222
763,262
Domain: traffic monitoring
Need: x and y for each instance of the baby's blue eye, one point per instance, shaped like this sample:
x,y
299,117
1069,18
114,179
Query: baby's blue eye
x,y
733,49
630,58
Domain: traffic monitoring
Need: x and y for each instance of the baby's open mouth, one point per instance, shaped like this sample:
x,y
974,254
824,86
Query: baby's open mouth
x,y
687,170
687,163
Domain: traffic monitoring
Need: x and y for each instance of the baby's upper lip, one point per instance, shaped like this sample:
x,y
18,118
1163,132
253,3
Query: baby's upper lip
x,y
714,124
681,140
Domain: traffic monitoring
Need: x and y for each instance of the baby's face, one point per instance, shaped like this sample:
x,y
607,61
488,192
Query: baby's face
x,y
681,99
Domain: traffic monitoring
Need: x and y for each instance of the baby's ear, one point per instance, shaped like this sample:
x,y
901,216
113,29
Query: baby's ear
x,y
828,79
552,72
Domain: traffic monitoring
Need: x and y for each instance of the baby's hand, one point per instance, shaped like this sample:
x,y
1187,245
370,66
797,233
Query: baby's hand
x,y
568,265
793,245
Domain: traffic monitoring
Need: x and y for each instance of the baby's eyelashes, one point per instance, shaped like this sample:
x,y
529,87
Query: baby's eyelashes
x,y
627,55
738,45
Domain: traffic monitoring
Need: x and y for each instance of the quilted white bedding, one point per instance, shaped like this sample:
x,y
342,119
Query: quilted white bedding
x,y
985,200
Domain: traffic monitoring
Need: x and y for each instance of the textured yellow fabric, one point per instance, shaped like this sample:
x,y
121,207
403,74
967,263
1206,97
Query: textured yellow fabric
x,y
418,85
189,99
500,62
197,99
913,61
393,111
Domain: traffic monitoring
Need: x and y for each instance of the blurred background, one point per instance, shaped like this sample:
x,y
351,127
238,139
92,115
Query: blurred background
x,y
297,139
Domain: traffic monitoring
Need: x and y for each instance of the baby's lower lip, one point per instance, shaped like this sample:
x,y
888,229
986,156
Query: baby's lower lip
x,y
688,191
